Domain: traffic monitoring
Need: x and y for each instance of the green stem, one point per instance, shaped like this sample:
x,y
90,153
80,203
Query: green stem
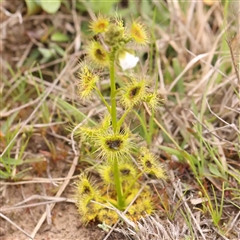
x,y
130,187
118,185
119,124
116,173
113,90
104,101
144,126
167,134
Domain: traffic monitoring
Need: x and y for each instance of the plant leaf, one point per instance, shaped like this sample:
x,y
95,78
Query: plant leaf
x,y
172,151
70,110
32,7
59,37
102,6
46,53
214,170
11,161
50,6
4,175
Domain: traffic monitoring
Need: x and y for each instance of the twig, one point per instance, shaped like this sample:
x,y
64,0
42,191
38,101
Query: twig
x,y
6,114
233,61
73,166
189,65
37,107
210,132
60,191
54,200
179,192
77,25
30,210
14,224
40,197
230,125
25,54
232,109
48,210
35,180
64,185
233,223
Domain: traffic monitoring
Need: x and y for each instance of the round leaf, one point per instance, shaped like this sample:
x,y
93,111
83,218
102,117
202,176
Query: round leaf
x,y
32,7
50,6
59,37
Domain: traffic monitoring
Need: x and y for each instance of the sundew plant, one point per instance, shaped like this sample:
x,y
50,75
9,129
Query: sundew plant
x,y
121,159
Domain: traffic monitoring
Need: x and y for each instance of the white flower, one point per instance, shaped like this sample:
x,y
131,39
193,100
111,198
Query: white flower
x,y
127,61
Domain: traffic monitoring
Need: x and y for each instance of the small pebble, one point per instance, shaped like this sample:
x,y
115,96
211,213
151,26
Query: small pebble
x,y
2,231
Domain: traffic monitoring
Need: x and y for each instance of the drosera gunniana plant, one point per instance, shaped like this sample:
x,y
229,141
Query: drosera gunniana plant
x,y
114,142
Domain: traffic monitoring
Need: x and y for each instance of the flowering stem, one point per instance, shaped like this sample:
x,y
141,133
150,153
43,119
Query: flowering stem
x,y
118,185
130,187
123,117
113,90
147,136
116,173
104,101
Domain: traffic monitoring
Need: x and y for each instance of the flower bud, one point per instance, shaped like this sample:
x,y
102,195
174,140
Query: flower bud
x,y
114,35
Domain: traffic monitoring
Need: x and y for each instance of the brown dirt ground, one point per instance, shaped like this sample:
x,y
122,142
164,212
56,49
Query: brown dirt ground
x,y
65,218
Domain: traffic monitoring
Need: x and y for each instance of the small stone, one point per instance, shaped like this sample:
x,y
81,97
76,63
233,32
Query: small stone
x,y
2,231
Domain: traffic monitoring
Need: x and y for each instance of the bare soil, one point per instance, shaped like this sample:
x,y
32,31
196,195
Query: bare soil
x,y
63,222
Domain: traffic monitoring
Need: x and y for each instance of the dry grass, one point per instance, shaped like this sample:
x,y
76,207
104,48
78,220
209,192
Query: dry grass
x,y
194,54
